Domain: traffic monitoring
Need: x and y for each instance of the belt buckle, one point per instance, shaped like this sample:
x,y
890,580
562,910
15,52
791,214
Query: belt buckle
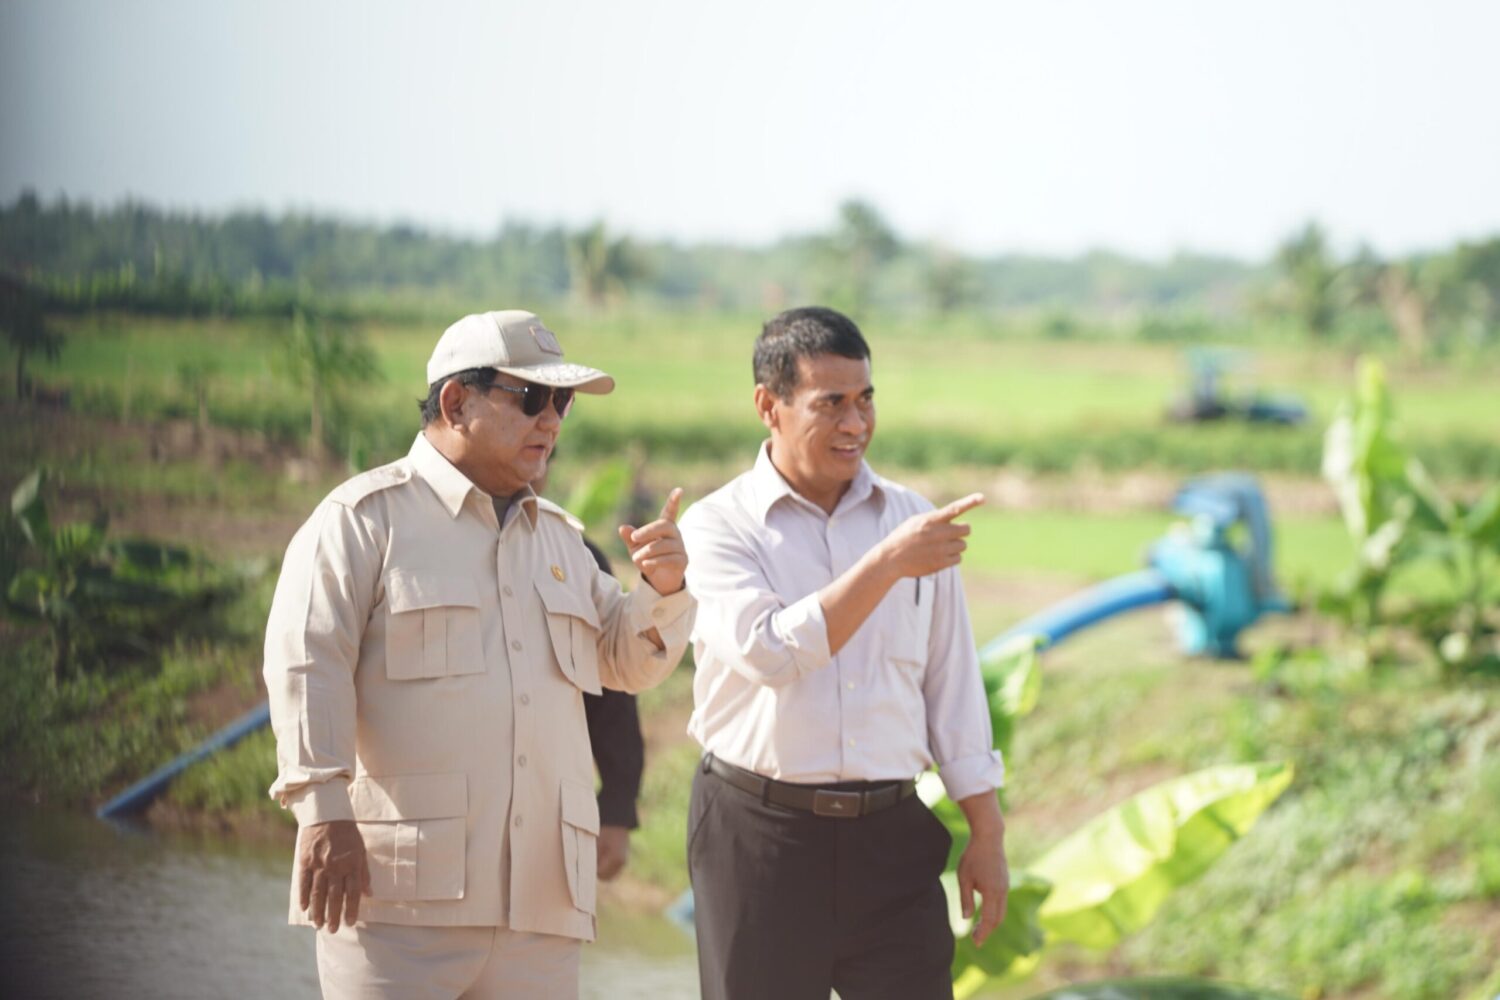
x,y
836,805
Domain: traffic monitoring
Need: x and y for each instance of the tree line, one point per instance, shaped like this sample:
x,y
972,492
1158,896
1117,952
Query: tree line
x,y
153,258
140,258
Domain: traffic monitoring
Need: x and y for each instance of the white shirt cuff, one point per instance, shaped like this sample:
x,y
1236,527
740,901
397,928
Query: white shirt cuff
x,y
974,775
804,629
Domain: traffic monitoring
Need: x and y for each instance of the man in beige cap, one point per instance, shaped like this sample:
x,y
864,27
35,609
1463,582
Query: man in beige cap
x,y
433,632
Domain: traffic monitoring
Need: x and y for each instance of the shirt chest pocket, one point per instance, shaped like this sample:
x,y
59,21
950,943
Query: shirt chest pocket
x,y
573,626
432,626
907,613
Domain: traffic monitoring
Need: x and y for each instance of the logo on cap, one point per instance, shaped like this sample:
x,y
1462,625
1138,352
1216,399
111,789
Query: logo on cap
x,y
546,340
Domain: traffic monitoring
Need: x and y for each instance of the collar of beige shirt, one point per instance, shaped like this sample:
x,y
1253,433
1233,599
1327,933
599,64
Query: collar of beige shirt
x,y
768,486
453,487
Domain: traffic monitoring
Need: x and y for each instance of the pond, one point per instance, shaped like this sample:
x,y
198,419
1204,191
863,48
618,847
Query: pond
x,y
92,910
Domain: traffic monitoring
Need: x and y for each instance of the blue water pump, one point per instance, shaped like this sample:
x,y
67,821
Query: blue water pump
x,y
1217,565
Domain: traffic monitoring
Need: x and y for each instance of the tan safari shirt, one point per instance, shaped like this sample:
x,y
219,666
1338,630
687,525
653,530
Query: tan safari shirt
x,y
426,672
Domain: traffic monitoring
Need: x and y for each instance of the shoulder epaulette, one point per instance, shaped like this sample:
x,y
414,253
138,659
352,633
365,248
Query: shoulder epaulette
x,y
551,508
372,481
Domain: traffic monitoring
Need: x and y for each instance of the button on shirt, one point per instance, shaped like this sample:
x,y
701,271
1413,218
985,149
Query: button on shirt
x,y
903,693
426,670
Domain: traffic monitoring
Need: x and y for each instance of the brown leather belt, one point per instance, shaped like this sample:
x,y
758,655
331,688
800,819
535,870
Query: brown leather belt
x,y
832,803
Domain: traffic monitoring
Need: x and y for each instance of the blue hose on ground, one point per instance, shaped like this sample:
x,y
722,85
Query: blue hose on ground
x,y
139,795
1113,597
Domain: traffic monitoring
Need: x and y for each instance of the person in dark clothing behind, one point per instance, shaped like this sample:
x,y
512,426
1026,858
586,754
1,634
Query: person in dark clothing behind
x,y
620,756
619,752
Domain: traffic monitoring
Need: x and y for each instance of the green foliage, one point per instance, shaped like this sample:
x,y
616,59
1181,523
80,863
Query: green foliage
x,y
597,499
324,356
1012,949
143,260
1012,684
24,324
70,741
952,281
233,780
102,601
1399,519
1109,878
1308,274
602,267
1155,989
197,377
860,243
1367,877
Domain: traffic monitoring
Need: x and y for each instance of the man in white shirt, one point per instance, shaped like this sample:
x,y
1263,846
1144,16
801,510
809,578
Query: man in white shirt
x,y
835,662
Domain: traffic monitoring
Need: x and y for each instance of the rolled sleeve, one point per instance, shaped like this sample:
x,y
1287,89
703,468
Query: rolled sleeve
x,y
320,803
741,619
670,615
974,775
799,632
629,661
313,635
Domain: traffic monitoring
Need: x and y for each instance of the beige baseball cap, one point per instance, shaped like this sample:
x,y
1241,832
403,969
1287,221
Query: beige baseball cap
x,y
512,341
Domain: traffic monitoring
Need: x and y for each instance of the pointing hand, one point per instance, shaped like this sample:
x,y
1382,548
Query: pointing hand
x,y
923,544
657,549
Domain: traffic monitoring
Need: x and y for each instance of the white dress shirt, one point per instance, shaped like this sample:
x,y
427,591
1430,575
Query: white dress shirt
x,y
903,693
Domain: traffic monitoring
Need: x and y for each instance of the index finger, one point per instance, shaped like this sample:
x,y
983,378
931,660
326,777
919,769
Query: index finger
x,y
674,500
958,507
990,916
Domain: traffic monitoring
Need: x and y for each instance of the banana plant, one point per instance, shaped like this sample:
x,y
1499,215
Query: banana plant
x,y
1397,518
596,500
94,595
1110,877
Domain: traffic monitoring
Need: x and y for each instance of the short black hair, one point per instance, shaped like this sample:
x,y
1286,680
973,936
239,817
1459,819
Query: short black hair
x,y
803,333
432,408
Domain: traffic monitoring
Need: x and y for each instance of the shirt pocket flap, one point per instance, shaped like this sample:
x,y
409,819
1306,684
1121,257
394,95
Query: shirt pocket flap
x,y
410,796
580,808
408,591
561,599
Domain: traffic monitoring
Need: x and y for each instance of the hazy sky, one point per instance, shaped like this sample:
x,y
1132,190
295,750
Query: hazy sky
x,y
1047,126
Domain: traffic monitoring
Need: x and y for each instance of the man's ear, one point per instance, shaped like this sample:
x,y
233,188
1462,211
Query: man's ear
x,y
451,400
765,406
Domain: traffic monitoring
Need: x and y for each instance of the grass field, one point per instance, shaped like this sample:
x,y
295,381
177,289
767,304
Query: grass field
x,y
684,387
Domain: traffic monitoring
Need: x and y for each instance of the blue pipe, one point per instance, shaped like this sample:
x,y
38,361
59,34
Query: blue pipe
x,y
139,795
1113,597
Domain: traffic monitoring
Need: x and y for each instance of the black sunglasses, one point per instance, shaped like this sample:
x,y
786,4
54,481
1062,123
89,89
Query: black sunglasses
x,y
534,397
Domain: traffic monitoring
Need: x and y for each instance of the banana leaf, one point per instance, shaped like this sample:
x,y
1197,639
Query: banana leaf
x,y
1112,875
30,509
1012,684
1482,521
598,497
